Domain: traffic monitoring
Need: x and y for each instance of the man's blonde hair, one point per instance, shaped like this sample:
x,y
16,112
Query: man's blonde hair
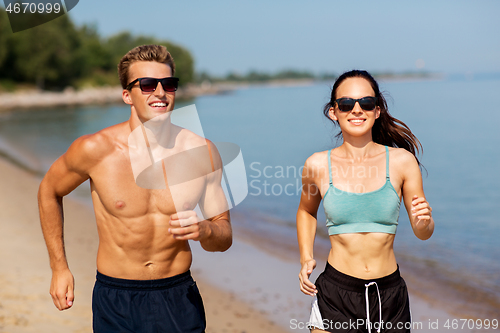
x,y
156,53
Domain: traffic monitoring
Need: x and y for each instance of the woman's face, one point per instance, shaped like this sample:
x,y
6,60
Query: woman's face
x,y
356,122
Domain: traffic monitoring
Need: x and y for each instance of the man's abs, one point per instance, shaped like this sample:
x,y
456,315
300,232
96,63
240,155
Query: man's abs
x,y
140,248
133,224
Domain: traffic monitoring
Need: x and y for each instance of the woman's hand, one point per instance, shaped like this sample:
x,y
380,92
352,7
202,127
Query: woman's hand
x,y
306,286
421,212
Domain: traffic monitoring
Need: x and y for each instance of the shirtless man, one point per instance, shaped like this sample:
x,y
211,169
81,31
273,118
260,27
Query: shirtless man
x,y
143,279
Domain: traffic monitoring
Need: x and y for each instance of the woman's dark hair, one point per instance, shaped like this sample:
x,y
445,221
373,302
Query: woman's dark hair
x,y
387,130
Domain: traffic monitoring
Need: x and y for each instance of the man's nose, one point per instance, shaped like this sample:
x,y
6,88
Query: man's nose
x,y
159,90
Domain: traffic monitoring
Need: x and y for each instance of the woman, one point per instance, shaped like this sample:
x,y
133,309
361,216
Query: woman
x,y
361,183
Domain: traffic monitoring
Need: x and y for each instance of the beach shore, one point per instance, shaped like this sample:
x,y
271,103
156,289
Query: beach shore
x,y
33,99
253,287
69,97
25,303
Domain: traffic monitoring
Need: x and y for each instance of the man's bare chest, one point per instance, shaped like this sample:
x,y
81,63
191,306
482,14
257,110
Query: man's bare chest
x,y
162,188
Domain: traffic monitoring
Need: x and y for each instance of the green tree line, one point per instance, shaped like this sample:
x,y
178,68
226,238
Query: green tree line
x,y
58,54
254,76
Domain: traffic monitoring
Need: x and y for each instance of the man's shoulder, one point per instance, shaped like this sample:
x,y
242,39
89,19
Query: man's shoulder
x,y
195,146
190,141
91,148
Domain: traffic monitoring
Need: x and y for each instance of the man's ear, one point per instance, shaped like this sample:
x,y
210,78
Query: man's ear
x,y
126,97
331,113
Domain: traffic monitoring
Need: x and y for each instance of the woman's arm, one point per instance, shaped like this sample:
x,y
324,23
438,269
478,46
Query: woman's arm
x,y
306,223
419,210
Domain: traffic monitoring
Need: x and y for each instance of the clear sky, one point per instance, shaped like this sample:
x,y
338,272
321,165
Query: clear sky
x,y
452,36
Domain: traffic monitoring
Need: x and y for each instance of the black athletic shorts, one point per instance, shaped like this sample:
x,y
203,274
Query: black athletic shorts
x,y
171,305
342,301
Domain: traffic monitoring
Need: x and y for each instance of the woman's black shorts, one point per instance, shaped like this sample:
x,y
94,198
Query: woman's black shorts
x,y
348,304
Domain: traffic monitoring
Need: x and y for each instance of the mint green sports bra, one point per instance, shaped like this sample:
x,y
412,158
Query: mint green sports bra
x,y
349,212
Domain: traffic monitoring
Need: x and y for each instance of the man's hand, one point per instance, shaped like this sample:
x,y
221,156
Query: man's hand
x,y
186,225
62,289
306,286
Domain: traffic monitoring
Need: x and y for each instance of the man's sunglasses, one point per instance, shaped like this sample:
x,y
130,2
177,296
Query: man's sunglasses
x,y
367,103
149,84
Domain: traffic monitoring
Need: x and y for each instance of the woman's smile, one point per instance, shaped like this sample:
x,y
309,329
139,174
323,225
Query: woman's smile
x,y
357,121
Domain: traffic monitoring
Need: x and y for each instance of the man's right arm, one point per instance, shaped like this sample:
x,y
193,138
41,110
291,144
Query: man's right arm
x,y
67,172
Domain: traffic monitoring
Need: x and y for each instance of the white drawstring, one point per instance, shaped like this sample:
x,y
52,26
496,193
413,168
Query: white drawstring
x,y
368,307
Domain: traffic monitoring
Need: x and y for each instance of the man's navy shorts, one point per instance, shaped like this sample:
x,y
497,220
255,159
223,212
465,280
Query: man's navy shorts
x,y
168,305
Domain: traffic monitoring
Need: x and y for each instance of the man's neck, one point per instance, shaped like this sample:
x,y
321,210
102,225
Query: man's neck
x,y
156,131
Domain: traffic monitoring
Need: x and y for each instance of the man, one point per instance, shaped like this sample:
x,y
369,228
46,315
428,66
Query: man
x,y
143,279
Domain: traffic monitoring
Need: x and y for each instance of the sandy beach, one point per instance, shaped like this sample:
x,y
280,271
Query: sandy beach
x,y
250,288
25,304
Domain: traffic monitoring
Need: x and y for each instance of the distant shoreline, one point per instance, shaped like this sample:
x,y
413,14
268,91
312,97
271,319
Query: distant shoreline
x,y
35,99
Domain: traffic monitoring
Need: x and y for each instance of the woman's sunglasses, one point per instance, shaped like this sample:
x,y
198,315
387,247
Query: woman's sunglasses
x,y
149,84
367,103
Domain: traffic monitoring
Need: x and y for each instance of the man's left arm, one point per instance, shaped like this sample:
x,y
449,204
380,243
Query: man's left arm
x,y
213,233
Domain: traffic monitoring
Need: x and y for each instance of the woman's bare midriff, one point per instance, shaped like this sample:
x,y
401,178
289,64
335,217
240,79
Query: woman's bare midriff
x,y
363,255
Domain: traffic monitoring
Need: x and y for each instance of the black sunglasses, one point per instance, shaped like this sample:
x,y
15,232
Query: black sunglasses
x,y
149,84
367,103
